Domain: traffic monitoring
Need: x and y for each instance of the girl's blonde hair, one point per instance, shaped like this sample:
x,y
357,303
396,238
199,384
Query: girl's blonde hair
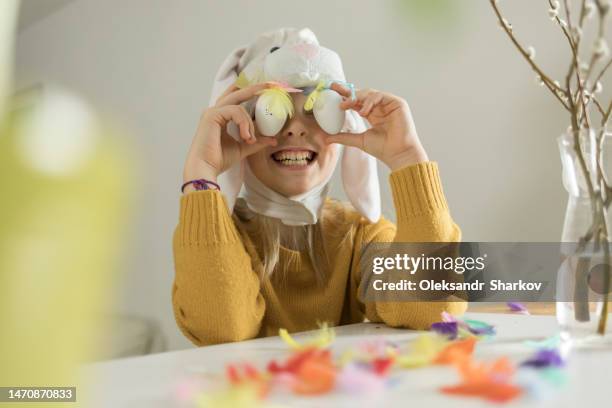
x,y
337,222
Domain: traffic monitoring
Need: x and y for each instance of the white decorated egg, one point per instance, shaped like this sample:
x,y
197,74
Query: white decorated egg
x,y
328,113
267,123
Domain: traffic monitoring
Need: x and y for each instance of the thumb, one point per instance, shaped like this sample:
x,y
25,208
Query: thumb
x,y
261,142
348,139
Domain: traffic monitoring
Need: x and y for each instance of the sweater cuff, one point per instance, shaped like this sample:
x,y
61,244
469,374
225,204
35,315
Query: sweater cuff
x,y
205,219
417,190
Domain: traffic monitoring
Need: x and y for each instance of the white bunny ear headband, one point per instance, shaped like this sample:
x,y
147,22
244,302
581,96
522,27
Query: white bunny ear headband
x,y
294,58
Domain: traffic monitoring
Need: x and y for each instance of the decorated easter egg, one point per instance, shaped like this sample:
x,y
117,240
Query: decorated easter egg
x,y
328,113
268,123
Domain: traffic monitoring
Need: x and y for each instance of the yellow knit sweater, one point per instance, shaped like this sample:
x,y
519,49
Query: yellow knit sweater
x,y
218,297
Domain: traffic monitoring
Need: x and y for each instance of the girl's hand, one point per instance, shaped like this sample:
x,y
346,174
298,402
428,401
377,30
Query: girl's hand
x,y
393,138
213,150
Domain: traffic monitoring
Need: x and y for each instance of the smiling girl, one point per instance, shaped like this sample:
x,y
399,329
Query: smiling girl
x,y
285,255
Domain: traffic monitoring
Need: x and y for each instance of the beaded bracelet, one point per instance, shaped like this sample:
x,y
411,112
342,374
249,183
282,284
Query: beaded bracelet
x,y
201,184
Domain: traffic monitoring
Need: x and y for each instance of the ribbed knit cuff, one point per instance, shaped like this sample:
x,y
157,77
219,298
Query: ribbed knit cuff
x,y
205,219
417,190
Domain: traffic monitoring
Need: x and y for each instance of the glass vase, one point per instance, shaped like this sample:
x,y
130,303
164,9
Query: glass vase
x,y
583,281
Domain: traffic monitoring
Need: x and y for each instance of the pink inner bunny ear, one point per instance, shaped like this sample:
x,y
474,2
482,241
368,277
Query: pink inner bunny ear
x,y
285,86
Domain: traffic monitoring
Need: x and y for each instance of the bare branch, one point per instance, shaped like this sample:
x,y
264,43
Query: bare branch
x,y
606,115
598,106
550,84
583,13
580,103
601,73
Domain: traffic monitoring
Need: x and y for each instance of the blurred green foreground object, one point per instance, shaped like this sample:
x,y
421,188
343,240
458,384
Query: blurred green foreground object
x,y
64,192
64,189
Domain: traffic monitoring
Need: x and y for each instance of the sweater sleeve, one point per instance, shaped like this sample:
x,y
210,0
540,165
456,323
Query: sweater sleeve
x,y
215,295
422,216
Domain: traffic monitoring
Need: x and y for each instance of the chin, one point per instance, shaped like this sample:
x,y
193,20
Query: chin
x,y
296,187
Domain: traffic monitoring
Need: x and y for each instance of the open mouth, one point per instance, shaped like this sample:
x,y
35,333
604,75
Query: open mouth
x,y
294,158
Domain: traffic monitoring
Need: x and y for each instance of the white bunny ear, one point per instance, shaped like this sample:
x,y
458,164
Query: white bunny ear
x,y
226,74
247,58
231,180
360,174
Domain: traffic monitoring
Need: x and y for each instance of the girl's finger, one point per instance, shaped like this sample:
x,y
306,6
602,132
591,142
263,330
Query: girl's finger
x,y
357,103
249,121
367,107
241,118
349,104
229,90
371,101
341,89
262,142
242,95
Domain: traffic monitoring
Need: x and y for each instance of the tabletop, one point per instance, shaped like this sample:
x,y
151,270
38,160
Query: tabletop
x,y
149,381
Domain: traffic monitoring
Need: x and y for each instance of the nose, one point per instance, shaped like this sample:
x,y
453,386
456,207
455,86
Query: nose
x,y
295,127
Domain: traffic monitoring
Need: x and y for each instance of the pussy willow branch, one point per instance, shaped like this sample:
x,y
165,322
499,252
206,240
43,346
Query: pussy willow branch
x,y
600,108
550,84
602,11
600,201
601,74
555,89
604,239
601,32
576,103
578,39
583,13
578,107
601,327
602,134
606,117
572,64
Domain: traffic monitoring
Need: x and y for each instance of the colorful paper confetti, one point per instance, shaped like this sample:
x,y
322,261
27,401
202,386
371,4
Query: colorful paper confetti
x,y
517,307
323,338
488,381
423,351
457,352
545,358
453,328
310,368
448,329
552,342
355,378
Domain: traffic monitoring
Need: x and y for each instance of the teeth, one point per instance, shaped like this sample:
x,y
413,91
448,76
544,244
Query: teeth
x,y
289,162
293,156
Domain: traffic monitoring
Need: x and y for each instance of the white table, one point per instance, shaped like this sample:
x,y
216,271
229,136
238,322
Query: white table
x,y
147,381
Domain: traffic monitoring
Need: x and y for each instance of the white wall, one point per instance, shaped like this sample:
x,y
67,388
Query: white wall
x,y
149,64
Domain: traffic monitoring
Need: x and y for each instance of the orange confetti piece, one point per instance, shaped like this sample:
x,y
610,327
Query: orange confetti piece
x,y
501,369
497,392
246,374
316,375
489,381
295,361
456,352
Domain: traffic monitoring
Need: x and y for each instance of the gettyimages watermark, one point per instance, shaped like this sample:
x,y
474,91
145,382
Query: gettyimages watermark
x,y
484,271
